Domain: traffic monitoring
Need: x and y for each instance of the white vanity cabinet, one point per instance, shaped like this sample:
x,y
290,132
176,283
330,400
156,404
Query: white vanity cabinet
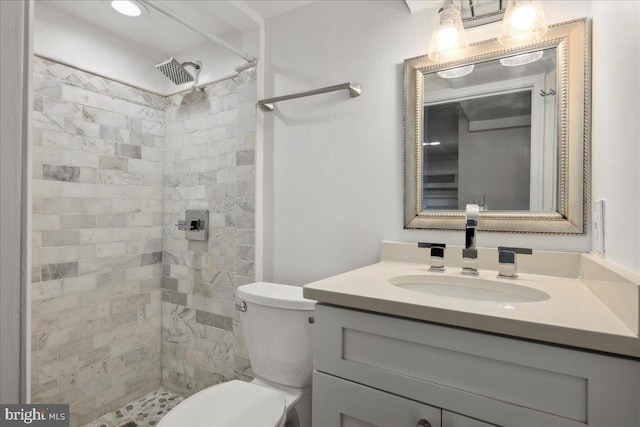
x,y
377,370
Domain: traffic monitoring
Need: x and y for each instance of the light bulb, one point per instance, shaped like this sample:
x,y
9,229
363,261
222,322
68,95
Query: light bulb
x,y
523,17
523,22
447,37
448,40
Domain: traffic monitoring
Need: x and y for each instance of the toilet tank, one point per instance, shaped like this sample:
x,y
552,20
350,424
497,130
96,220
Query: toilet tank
x,y
278,333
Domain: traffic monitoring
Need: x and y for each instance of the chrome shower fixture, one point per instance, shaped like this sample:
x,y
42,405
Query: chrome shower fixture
x,y
176,71
249,66
245,71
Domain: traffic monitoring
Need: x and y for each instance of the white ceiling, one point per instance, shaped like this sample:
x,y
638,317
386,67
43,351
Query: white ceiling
x,y
154,31
163,36
271,8
419,5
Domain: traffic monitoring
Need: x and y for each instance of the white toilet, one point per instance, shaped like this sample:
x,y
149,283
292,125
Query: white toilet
x,y
279,335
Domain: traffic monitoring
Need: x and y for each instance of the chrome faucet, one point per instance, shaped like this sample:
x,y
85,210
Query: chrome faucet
x,y
470,253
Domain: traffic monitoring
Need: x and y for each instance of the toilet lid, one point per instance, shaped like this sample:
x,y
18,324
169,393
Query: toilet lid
x,y
232,404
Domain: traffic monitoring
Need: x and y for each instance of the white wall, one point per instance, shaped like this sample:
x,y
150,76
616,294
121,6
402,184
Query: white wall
x,y
616,126
503,180
334,165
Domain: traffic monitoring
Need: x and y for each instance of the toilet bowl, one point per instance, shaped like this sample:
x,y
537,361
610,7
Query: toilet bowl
x,y
279,339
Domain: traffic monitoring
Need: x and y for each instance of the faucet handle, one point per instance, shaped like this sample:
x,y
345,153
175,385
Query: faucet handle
x,y
190,225
507,267
437,255
470,262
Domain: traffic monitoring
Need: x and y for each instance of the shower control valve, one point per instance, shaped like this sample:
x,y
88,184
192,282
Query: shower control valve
x,y
195,224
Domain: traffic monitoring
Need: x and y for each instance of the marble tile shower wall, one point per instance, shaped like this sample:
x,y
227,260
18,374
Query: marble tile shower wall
x,y
209,164
114,169
97,241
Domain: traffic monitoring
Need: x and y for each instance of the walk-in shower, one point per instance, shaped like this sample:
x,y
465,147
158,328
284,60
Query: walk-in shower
x,y
127,315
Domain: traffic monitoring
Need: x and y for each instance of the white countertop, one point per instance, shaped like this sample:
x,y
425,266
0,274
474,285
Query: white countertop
x,y
573,316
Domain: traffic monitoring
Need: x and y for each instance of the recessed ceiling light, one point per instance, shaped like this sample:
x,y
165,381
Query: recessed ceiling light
x,y
452,73
128,7
527,58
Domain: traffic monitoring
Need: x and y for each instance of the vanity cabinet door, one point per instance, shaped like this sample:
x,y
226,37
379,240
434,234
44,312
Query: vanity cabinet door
x,y
341,403
451,419
495,379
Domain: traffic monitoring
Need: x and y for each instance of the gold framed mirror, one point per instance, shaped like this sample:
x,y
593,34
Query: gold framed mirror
x,y
505,128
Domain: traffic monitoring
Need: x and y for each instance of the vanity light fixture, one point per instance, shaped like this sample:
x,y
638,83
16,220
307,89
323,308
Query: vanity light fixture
x,y
128,7
523,22
448,40
525,58
452,73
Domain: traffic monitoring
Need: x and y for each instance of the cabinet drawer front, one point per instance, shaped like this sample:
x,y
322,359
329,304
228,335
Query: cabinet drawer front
x,y
340,403
517,384
504,381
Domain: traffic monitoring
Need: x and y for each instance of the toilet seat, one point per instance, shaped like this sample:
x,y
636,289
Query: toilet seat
x,y
231,404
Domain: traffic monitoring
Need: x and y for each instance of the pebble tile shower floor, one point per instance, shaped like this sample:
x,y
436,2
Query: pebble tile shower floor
x,y
144,412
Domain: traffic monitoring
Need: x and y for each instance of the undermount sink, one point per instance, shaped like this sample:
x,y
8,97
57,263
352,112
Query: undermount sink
x,y
468,288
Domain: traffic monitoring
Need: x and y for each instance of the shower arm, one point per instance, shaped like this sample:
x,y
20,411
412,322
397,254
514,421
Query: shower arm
x,y
192,27
195,65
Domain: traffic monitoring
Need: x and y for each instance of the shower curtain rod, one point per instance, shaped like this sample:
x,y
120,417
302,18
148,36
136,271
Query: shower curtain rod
x,y
192,27
203,85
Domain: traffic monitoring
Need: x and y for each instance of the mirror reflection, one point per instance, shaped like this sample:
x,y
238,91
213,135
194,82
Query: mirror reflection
x,y
489,135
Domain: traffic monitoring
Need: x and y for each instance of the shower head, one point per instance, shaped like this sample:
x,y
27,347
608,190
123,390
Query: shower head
x,y
176,72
